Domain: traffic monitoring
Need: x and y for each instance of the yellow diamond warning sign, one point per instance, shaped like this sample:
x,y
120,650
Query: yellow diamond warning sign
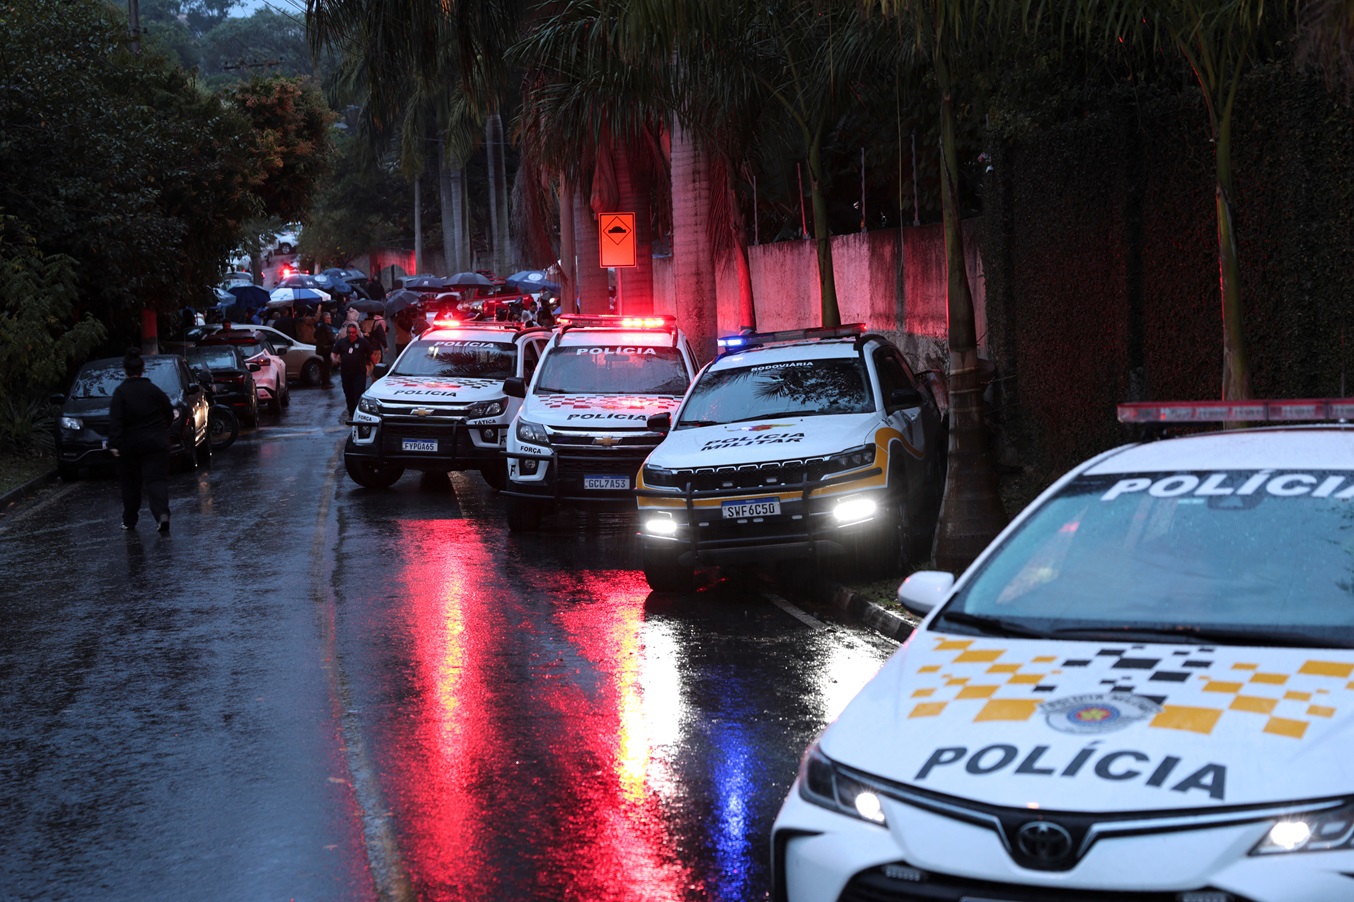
x,y
617,239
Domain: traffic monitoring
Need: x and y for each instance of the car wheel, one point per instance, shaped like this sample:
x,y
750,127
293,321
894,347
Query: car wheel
x,y
523,515
310,373
68,472
665,573
888,552
286,396
284,248
371,474
275,403
496,475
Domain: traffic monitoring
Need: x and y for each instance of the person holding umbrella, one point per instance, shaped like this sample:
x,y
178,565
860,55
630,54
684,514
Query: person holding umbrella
x,y
353,353
324,346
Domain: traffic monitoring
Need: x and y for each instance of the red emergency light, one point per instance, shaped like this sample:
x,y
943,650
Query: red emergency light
x,y
614,321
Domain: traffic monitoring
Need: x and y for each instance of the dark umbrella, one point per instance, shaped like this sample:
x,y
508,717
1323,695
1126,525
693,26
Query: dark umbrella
x,y
250,297
425,283
344,275
466,280
402,299
531,280
367,305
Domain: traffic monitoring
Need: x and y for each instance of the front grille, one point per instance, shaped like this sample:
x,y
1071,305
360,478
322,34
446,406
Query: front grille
x,y
902,883
745,476
646,440
572,466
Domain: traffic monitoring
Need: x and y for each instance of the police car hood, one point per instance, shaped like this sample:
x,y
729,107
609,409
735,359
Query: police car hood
x,y
605,411
1103,726
395,389
764,440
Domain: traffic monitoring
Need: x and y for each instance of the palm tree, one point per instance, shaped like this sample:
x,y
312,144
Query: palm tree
x,y
955,37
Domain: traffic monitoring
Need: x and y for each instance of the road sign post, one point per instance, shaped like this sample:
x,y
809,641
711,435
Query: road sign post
x,y
616,237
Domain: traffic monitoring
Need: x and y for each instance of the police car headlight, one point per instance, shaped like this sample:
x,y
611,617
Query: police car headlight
x,y
822,782
369,405
854,509
531,433
853,459
1318,831
660,525
74,424
486,409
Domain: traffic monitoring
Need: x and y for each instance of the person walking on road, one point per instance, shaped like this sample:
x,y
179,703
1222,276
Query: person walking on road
x,y
324,346
138,436
353,353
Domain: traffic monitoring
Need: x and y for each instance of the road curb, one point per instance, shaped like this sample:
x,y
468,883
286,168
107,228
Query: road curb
x,y
13,496
892,624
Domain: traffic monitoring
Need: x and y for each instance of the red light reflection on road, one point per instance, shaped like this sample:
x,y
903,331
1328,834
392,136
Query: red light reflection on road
x,y
520,757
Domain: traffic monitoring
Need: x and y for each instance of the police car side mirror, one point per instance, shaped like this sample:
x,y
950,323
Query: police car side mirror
x,y
660,422
254,367
57,399
379,370
904,397
514,387
925,589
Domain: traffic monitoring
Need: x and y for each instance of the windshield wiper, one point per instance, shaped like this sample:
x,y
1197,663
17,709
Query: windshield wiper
x,y
685,423
992,626
1196,635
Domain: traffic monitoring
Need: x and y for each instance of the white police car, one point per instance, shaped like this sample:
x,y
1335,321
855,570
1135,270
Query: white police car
x,y
441,405
797,444
1143,689
582,431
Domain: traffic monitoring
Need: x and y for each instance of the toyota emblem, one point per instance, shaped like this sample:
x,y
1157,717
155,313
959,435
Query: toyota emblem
x,y
1044,842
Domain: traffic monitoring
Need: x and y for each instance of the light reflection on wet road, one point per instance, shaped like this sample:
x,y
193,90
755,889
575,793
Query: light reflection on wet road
x,y
314,690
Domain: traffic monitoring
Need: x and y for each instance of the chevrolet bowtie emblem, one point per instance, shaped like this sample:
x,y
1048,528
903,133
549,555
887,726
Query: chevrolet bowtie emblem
x,y
421,411
606,441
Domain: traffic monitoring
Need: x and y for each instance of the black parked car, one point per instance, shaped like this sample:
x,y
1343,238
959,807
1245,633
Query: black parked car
x,y
82,428
232,378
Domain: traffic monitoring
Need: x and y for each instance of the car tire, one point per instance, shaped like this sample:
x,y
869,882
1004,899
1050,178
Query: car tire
x,y
665,573
371,474
284,248
310,373
496,475
202,454
275,403
523,515
286,396
68,472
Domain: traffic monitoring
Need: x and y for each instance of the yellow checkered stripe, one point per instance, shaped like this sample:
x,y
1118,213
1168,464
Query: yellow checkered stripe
x,y
1282,704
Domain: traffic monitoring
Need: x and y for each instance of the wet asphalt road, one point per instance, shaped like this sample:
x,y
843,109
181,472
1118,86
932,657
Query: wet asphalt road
x,y
310,690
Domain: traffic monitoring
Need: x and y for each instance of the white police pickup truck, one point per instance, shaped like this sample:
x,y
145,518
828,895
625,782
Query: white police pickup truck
x,y
441,405
582,430
800,444
1142,689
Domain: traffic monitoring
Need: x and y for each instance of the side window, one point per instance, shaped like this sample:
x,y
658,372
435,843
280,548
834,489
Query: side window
x,y
893,373
531,355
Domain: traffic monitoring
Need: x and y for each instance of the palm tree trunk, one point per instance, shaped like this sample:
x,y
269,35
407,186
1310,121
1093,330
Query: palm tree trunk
x,y
747,307
971,513
498,194
568,277
418,224
822,236
460,259
449,211
592,278
1236,369
635,282
693,270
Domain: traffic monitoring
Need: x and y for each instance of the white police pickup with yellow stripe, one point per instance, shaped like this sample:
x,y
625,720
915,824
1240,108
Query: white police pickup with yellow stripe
x,y
1143,689
800,444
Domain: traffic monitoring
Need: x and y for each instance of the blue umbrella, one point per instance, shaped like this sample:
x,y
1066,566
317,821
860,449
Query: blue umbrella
x,y
250,297
531,280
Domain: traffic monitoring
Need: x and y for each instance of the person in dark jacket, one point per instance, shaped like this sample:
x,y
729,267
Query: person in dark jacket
x,y
353,353
324,346
138,436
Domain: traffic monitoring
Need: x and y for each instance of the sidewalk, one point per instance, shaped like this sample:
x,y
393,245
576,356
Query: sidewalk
x,y
13,496
896,625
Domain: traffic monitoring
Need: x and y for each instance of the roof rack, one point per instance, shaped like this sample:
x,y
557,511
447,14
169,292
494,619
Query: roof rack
x,y
749,339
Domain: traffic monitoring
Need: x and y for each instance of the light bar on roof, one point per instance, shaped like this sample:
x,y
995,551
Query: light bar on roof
x,y
1287,411
748,339
615,321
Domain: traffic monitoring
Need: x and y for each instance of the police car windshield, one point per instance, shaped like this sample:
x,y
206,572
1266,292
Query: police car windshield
x,y
612,370
792,388
461,358
1241,557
